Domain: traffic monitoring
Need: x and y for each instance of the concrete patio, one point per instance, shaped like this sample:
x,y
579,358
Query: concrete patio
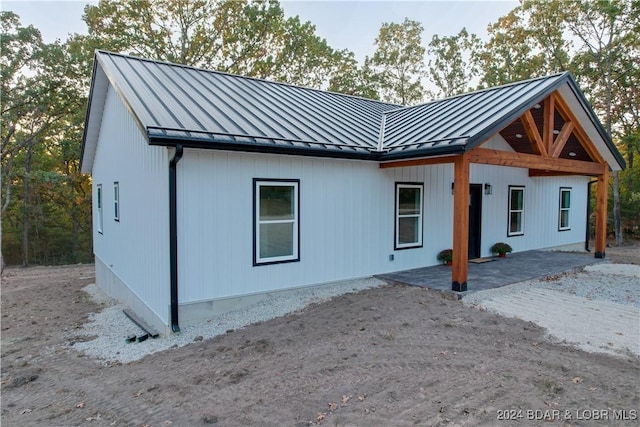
x,y
516,267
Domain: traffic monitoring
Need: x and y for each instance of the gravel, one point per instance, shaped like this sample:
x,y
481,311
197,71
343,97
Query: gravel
x,y
104,337
596,309
619,283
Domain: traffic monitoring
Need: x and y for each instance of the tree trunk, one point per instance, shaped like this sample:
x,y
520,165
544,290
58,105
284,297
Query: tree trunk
x,y
617,219
26,208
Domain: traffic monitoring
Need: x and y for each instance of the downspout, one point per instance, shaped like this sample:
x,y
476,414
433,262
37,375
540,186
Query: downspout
x,y
588,232
173,237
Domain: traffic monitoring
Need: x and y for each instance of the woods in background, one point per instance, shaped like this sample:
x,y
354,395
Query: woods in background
x,y
46,202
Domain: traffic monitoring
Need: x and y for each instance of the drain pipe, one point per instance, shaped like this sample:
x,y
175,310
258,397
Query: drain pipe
x,y
173,237
588,232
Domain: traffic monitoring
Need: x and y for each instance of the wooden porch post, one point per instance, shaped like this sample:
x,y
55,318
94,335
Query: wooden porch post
x,y
460,223
601,213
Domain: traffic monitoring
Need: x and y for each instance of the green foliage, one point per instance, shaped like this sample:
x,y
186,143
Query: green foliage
x,y
45,200
398,62
501,248
454,63
445,255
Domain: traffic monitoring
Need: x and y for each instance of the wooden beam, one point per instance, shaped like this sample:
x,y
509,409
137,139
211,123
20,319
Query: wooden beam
x,y
562,139
532,132
460,224
537,173
580,133
547,122
418,162
601,214
531,161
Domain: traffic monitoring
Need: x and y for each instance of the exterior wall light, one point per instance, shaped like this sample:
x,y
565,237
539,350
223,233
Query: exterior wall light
x,y
488,189
452,187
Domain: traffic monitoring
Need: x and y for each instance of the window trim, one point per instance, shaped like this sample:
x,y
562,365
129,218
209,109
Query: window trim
x,y
396,220
295,257
99,205
560,209
510,211
116,201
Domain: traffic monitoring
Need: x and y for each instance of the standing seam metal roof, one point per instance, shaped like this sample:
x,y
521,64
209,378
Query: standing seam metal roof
x,y
208,109
206,104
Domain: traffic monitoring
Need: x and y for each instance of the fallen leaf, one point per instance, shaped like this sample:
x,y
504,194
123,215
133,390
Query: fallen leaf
x,y
333,406
168,422
345,399
361,398
138,394
80,405
320,416
25,411
96,418
576,380
593,388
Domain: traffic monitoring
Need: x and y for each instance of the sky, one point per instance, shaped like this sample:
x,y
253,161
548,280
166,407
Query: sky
x,y
352,25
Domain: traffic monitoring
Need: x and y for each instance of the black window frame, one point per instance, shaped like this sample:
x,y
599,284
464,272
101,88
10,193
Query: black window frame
x,y
509,211
99,207
296,257
116,201
560,209
420,243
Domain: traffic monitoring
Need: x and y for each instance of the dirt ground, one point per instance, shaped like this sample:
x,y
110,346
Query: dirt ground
x,y
386,356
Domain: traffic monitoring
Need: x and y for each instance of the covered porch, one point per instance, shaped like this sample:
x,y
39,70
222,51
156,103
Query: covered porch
x,y
553,133
498,272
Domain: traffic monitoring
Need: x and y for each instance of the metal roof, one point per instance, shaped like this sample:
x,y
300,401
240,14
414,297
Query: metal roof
x,y
175,104
461,121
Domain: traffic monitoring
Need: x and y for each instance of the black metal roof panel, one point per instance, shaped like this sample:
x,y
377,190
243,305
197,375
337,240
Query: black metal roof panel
x,y
175,104
173,101
463,119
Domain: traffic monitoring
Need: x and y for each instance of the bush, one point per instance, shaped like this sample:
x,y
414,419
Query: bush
x,y
445,255
501,248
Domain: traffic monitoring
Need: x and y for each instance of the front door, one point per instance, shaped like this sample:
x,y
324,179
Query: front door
x,y
475,219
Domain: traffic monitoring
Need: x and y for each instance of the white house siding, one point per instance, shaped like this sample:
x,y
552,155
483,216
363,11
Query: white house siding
x,y
132,255
541,206
346,219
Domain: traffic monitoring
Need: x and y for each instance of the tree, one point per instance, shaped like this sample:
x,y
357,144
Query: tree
x,y
608,32
453,65
39,98
510,54
398,62
251,38
353,80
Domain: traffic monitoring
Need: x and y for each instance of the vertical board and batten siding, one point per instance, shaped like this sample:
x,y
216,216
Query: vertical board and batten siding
x,y
541,206
135,249
346,219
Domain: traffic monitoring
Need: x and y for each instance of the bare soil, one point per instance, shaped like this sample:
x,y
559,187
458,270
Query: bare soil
x,y
387,356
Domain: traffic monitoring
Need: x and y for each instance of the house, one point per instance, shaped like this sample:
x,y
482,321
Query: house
x,y
212,190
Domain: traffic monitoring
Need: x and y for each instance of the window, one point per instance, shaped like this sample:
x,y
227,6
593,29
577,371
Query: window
x,y
565,208
408,227
116,201
516,211
99,204
276,231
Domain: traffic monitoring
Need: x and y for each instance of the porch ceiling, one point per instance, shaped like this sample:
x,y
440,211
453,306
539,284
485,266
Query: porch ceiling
x,y
516,136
